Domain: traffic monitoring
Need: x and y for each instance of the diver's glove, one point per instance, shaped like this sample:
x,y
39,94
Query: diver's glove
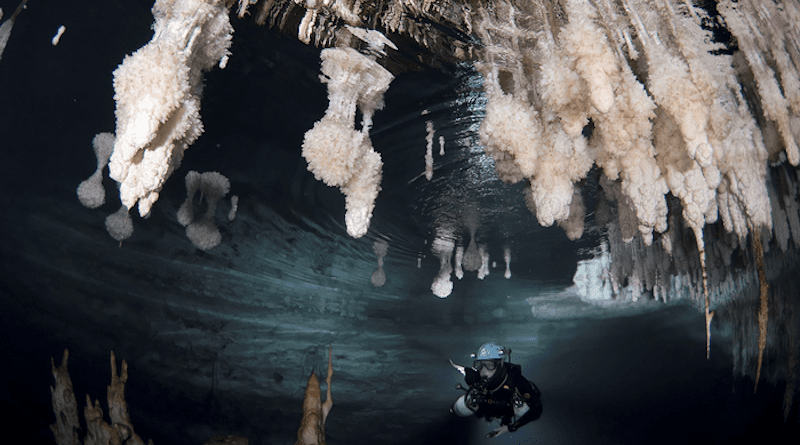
x,y
498,431
471,376
474,398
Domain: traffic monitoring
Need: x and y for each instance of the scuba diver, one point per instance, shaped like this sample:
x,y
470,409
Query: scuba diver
x,y
497,390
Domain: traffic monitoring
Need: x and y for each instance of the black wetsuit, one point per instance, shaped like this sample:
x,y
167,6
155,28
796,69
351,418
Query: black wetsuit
x,y
501,391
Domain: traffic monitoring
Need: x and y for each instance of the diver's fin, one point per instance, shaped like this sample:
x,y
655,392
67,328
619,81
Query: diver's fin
x,y
459,367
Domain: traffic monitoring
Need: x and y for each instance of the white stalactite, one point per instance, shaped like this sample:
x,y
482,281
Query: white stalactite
x,y
337,153
507,259
442,248
429,150
158,89
91,192
381,248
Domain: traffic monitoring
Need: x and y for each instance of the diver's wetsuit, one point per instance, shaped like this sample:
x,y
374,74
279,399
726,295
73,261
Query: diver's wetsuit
x,y
499,401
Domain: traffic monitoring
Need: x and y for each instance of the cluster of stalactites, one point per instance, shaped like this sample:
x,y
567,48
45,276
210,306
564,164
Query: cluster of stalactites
x,y
455,259
755,286
319,17
671,269
320,20
475,259
669,113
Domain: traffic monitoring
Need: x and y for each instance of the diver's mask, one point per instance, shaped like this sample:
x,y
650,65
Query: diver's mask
x,y
490,365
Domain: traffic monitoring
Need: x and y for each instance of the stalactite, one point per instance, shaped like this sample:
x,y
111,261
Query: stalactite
x,y
709,314
5,28
507,259
203,232
337,153
429,150
442,247
157,92
763,310
380,247
91,192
